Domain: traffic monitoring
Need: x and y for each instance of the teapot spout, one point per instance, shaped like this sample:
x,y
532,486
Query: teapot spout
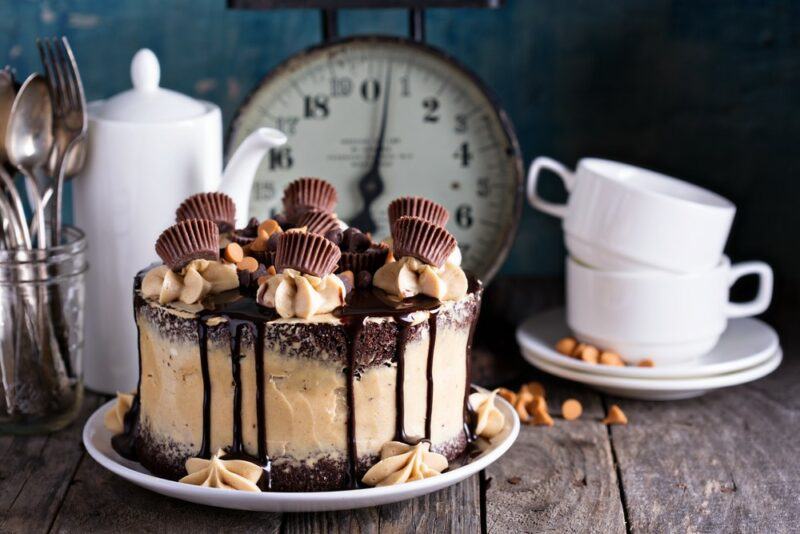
x,y
237,180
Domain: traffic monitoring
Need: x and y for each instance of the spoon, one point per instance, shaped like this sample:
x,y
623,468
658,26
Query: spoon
x,y
16,217
29,140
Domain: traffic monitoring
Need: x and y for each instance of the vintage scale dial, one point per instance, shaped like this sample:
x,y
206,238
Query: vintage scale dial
x,y
383,117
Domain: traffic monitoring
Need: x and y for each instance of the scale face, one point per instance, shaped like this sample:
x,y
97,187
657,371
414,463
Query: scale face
x,y
444,139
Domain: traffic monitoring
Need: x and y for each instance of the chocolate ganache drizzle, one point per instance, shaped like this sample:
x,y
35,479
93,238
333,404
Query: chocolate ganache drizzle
x,y
240,312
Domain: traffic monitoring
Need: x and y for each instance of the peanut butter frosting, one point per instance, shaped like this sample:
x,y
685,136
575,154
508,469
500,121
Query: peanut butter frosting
x,y
223,474
408,277
490,419
198,279
294,294
114,420
402,463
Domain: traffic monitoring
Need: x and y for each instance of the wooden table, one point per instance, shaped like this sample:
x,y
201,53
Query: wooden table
x,y
725,462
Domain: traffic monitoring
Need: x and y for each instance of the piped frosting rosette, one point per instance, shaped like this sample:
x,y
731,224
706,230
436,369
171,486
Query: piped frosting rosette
x,y
421,249
304,284
192,269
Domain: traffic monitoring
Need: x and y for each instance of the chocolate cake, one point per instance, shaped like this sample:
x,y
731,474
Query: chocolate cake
x,y
310,373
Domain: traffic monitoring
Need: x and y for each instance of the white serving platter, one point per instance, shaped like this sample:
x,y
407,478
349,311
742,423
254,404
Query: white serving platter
x,y
97,440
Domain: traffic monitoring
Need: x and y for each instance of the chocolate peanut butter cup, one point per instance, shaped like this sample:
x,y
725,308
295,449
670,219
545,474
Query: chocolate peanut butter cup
x,y
216,207
417,207
318,222
305,252
370,260
423,240
186,241
308,194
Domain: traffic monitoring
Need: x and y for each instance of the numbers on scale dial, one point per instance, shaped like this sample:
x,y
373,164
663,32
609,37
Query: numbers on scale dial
x,y
443,140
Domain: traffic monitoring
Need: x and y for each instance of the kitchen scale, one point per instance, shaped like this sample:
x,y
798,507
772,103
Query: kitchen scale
x,y
381,117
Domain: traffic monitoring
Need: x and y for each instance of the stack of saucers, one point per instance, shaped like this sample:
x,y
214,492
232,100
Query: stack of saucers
x,y
647,281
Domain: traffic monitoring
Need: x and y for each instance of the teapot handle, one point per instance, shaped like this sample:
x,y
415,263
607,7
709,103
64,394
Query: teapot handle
x,y
237,180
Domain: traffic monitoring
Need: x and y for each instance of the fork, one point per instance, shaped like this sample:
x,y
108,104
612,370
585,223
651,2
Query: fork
x,y
69,115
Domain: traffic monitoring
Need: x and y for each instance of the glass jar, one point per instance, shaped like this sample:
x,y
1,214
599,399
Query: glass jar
x,y
42,294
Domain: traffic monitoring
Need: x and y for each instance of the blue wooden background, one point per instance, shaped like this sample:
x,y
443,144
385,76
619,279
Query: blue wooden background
x,y
705,90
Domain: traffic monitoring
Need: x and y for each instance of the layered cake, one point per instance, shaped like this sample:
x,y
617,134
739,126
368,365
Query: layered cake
x,y
298,355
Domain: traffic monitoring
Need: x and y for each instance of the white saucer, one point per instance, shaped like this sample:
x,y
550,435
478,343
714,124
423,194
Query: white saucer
x,y
745,343
658,388
97,440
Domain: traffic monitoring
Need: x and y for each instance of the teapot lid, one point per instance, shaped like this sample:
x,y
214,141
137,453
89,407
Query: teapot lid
x,y
147,102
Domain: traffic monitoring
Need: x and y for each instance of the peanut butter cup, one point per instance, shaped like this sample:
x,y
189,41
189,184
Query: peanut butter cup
x,y
318,222
305,252
216,207
369,260
417,207
308,194
186,241
423,240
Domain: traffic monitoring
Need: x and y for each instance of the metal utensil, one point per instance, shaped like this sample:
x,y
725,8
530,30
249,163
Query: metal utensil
x,y
16,218
29,140
70,121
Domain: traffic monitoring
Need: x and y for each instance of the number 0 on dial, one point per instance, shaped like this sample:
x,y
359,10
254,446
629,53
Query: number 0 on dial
x,y
383,117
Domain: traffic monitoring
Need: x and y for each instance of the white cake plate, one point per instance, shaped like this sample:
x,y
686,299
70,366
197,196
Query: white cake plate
x,y
97,440
744,344
658,389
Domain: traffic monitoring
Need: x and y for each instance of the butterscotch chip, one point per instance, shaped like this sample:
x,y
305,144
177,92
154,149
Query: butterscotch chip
x,y
647,362
615,416
521,406
571,409
259,244
508,395
542,418
234,253
538,403
270,226
611,358
271,271
566,346
248,263
536,389
587,353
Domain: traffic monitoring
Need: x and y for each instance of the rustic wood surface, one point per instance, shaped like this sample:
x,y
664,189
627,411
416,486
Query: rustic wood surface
x,y
725,462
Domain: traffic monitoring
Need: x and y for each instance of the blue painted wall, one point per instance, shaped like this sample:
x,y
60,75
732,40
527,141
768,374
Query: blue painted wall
x,y
705,90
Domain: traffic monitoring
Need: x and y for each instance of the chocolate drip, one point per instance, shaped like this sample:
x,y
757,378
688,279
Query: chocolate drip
x,y
125,443
202,336
429,371
355,328
263,457
236,372
470,417
403,323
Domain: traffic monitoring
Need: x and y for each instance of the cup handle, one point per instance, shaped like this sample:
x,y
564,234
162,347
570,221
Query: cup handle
x,y
566,175
762,300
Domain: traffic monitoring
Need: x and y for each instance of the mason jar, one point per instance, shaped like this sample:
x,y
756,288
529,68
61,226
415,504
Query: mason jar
x,y
42,295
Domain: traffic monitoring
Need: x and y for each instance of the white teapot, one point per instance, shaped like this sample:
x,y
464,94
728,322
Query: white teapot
x,y
149,149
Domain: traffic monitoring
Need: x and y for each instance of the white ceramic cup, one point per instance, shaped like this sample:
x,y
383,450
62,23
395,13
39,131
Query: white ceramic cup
x,y
623,217
667,317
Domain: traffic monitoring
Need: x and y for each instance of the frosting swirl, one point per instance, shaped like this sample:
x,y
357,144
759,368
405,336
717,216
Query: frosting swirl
x,y
198,279
404,463
294,294
114,419
408,276
224,474
490,420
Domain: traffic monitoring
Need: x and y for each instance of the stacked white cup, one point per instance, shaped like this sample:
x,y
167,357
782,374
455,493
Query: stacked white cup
x,y
646,273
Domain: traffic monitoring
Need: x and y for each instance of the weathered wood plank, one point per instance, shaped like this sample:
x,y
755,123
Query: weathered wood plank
x,y
36,471
727,461
98,501
559,479
454,509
